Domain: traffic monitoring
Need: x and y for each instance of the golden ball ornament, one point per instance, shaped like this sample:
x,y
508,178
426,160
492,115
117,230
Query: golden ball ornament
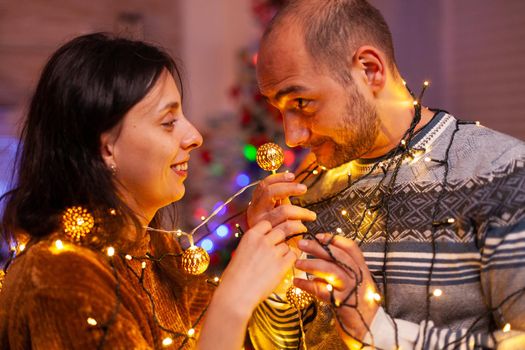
x,y
195,260
77,222
270,156
298,298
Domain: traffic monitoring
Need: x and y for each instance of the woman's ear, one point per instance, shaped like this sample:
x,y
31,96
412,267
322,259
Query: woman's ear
x,y
107,147
370,64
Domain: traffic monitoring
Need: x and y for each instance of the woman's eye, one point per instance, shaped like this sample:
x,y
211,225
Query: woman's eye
x,y
169,124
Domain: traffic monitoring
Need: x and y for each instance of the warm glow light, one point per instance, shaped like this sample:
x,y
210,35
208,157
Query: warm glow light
x,y
373,296
21,247
478,123
167,341
339,230
506,328
59,244
437,292
415,103
215,279
428,159
329,287
426,83
315,172
191,332
344,212
128,257
451,220
203,218
91,321
111,251
143,265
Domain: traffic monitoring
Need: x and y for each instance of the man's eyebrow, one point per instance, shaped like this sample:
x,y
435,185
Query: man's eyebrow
x,y
288,90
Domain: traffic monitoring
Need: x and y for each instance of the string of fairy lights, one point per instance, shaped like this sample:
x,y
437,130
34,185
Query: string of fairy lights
x,y
77,222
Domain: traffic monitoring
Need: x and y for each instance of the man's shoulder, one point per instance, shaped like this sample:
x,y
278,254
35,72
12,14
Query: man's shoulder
x,y
481,152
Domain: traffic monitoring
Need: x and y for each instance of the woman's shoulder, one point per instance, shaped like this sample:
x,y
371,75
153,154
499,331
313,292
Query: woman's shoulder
x,y
53,264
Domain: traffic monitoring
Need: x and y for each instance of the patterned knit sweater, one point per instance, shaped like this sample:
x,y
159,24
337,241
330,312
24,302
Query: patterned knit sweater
x,y
478,235
49,294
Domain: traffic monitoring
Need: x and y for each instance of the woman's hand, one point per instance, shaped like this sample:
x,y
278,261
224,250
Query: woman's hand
x,y
260,262
353,290
270,201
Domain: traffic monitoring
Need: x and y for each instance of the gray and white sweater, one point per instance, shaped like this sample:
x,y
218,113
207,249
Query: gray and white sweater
x,y
479,239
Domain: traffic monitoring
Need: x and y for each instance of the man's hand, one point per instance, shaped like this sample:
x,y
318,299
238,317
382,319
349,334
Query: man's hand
x,y
353,290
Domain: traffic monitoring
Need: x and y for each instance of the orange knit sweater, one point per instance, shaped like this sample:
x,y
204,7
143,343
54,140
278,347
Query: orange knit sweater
x,y
49,295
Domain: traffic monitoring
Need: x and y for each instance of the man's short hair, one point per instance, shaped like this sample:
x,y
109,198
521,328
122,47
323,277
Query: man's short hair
x,y
334,29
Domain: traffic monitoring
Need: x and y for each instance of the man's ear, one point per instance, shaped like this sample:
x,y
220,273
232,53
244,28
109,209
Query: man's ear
x,y
370,64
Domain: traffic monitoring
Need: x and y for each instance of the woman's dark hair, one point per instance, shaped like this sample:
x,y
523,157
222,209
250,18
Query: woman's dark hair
x,y
85,89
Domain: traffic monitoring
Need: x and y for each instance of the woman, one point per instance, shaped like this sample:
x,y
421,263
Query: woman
x,y
106,144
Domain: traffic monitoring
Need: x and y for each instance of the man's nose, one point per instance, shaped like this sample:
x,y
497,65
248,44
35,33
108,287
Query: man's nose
x,y
296,131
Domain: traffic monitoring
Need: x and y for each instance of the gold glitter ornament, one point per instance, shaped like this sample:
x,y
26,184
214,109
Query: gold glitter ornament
x,y
270,157
298,298
77,222
195,260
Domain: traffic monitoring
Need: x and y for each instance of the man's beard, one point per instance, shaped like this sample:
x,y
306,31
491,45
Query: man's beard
x,y
359,127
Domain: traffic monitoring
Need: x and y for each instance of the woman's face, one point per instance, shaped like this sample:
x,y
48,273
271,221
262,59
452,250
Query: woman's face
x,y
151,148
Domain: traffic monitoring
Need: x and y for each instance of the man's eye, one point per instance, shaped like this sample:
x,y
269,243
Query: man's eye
x,y
300,103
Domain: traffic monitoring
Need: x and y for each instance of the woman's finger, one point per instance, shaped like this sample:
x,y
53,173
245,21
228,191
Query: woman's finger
x,y
286,212
291,227
276,236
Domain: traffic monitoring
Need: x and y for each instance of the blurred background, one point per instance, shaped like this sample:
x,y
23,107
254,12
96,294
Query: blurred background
x,y
472,52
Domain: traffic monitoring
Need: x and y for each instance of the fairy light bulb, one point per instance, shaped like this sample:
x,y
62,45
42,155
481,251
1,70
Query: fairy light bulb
x,y
426,83
373,296
437,293
21,247
315,172
191,332
195,260
167,341
344,212
339,230
478,123
329,287
111,251
143,265
298,298
128,257
506,328
91,321
270,157
59,245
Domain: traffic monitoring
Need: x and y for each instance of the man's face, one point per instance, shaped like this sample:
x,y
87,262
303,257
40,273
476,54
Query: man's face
x,y
334,120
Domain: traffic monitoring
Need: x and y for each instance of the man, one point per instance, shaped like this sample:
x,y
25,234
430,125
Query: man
x,y
435,205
